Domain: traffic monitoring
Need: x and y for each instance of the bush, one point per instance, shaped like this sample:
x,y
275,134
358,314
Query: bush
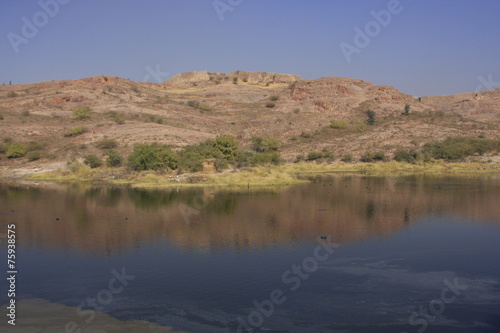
x,y
360,127
299,158
152,157
12,94
371,117
407,155
379,156
191,161
228,146
338,124
114,159
75,131
92,161
34,155
458,148
33,145
347,158
193,104
270,105
3,148
266,158
106,144
15,150
81,113
406,112
367,157
305,135
266,144
1,117
314,155
274,98
25,113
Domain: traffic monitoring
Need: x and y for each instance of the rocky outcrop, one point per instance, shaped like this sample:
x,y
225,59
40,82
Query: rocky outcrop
x,y
194,78
188,78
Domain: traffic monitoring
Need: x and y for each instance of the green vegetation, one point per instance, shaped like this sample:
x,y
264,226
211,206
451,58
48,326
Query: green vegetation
x,y
371,157
16,150
75,131
274,98
406,112
314,155
266,144
92,161
81,113
152,157
338,124
11,94
25,113
361,127
347,158
270,105
114,159
370,117
34,155
409,156
106,144
459,148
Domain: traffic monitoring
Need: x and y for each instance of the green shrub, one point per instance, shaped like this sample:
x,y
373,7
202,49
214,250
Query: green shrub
x,y
193,104
228,146
270,105
34,155
314,155
152,157
361,127
106,144
367,157
159,121
245,80
370,117
75,131
12,94
33,145
25,113
305,135
274,98
3,148
347,158
15,150
300,158
459,148
114,159
266,158
191,161
2,117
92,161
406,112
81,113
338,124
379,156
266,144
407,155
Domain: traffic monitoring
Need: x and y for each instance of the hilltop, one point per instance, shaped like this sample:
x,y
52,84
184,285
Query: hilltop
x,y
192,107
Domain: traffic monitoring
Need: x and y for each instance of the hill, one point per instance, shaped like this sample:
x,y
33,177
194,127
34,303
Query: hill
x,y
192,107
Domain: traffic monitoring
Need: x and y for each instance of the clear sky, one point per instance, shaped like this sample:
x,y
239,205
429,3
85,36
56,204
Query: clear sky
x,y
425,47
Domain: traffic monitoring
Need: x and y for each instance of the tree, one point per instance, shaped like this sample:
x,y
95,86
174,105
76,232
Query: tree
x,y
114,159
16,150
371,117
265,145
228,146
92,161
407,110
81,113
152,157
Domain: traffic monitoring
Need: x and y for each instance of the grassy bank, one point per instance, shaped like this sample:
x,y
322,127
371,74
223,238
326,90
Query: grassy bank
x,y
260,176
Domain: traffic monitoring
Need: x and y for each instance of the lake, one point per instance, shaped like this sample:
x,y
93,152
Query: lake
x,y
339,254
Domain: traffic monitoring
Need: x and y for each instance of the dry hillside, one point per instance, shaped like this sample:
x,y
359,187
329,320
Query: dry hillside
x,y
192,107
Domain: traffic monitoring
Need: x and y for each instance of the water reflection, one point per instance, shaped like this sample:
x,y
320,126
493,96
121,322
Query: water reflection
x,y
110,219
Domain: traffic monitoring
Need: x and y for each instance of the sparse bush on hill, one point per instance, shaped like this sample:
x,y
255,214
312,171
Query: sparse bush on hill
x,y
16,150
274,98
11,94
407,155
1,117
92,161
81,113
266,144
106,144
266,158
406,112
314,155
270,105
114,159
371,157
193,104
370,117
34,155
305,135
338,124
152,157
75,131
360,127
299,158
228,146
347,158
25,113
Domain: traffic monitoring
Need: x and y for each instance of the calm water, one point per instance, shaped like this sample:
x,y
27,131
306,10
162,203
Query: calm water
x,y
411,254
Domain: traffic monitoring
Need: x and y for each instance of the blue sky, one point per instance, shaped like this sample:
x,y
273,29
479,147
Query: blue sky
x,y
427,47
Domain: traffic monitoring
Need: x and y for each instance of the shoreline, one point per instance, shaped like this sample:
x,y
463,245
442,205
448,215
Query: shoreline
x,y
282,175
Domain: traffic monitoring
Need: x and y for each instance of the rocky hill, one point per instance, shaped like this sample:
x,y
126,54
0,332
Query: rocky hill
x,y
195,106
